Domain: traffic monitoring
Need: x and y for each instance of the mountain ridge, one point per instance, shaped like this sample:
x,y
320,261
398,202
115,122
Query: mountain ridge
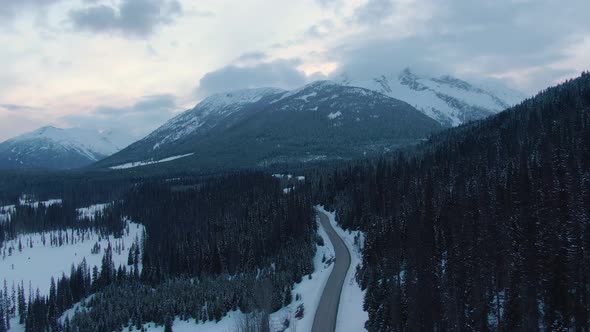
x,y
50,147
321,120
447,99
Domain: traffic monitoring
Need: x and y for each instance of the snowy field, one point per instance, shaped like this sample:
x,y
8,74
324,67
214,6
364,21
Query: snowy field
x,y
351,317
288,177
92,211
149,162
7,211
37,260
310,291
36,265
25,200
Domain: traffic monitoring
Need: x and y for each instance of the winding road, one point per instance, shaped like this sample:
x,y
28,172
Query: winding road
x,y
327,311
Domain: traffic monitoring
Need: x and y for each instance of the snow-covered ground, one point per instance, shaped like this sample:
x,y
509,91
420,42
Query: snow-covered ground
x,y
91,211
309,291
149,162
351,316
283,176
288,177
7,211
227,324
36,265
76,308
25,201
334,115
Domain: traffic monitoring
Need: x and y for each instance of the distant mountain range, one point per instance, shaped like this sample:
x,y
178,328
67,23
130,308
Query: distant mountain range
x,y
55,148
339,119
261,127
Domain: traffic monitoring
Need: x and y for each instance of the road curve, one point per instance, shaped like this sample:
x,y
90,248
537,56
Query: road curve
x,y
327,311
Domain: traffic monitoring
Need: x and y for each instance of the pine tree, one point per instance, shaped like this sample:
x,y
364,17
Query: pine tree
x,y
168,324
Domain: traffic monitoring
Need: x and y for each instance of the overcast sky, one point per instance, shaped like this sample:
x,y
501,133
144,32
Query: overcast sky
x,y
132,64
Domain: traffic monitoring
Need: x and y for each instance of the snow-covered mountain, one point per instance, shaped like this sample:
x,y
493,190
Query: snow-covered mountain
x,y
55,148
260,127
208,114
447,99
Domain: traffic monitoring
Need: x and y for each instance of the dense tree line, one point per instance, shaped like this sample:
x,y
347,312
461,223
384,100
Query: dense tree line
x,y
60,217
228,225
485,227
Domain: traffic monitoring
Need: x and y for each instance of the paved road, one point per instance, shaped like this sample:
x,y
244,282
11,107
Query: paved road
x,y
325,316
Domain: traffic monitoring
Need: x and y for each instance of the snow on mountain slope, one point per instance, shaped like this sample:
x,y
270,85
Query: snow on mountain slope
x,y
207,113
149,162
51,147
448,100
88,142
261,127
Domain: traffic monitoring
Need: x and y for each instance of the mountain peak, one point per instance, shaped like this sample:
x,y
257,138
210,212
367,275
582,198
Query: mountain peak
x,y
320,121
243,96
447,99
52,147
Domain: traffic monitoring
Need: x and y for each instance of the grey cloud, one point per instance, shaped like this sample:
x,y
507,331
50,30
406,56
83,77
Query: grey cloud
x,y
483,37
279,73
16,108
319,29
138,18
141,117
13,124
251,56
374,11
10,8
380,56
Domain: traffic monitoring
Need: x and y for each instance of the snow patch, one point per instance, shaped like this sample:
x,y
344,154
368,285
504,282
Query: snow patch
x,y
91,211
26,200
309,95
334,115
149,162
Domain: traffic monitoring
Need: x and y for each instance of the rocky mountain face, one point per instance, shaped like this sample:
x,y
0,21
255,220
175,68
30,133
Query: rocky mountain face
x,y
448,100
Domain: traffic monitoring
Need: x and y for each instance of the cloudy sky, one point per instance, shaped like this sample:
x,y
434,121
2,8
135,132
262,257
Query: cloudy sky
x,y
132,64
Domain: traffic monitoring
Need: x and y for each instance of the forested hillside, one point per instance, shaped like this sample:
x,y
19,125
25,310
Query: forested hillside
x,y
209,247
485,227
